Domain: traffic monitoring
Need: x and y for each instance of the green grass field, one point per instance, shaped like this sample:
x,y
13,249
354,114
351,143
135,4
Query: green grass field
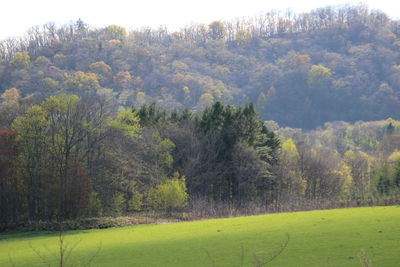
x,y
317,238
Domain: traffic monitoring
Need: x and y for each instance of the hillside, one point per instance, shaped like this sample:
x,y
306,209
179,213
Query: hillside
x,y
301,70
317,238
102,122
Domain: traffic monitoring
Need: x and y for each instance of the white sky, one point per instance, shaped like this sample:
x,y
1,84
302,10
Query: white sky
x,y
19,15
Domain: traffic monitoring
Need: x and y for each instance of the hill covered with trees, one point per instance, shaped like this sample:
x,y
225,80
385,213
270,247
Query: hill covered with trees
x,y
301,70
101,122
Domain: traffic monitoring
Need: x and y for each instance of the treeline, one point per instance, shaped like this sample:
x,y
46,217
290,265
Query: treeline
x,y
360,162
71,157
300,70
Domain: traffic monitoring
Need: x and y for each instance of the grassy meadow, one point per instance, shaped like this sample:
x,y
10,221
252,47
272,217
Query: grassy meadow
x,y
316,238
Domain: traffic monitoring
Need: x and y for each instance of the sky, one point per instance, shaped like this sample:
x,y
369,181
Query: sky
x,y
20,15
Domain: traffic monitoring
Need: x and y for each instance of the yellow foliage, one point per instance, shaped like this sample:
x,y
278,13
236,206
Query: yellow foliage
x,y
349,156
116,32
21,60
345,173
243,37
140,99
179,78
100,67
168,195
82,81
127,122
217,92
114,42
186,90
49,84
11,97
318,74
289,149
216,30
206,99
179,65
123,79
394,157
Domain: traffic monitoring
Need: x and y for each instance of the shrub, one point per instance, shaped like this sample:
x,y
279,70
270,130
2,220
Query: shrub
x,y
118,204
136,203
169,195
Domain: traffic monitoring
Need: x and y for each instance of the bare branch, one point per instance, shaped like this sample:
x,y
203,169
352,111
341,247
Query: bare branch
x,y
37,252
273,255
209,256
365,262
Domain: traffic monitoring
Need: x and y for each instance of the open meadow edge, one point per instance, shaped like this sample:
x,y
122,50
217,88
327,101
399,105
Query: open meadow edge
x,y
314,238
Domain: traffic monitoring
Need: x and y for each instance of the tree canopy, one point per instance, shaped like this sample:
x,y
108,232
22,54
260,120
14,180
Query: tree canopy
x,y
301,70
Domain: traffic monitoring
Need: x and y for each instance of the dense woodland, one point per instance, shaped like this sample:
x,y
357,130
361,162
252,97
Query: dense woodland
x,y
300,70
102,122
75,157
70,157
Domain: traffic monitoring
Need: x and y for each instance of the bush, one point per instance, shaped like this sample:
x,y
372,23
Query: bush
x,y
136,203
169,195
77,224
118,204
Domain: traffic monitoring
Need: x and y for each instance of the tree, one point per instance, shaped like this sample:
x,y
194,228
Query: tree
x,y
216,30
227,127
250,175
11,197
140,99
127,122
122,79
116,32
118,204
318,75
102,70
21,60
243,37
11,97
9,107
164,149
57,141
383,182
287,172
136,202
321,171
81,81
359,164
396,176
33,158
49,85
100,67
205,100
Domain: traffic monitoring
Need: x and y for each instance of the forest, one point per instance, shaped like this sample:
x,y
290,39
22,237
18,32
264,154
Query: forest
x,y
300,70
279,112
72,157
